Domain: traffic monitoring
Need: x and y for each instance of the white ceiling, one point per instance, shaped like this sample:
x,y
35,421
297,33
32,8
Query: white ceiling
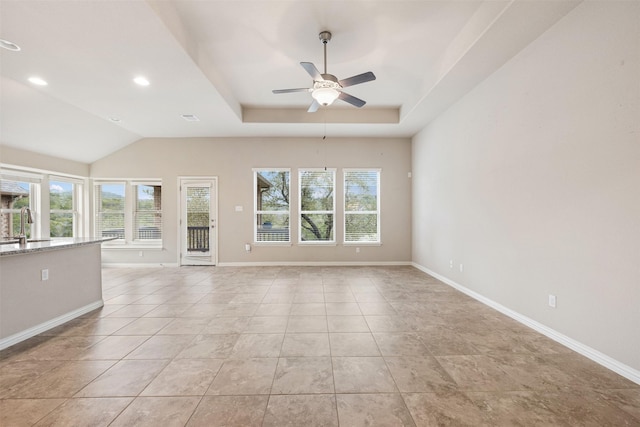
x,y
219,60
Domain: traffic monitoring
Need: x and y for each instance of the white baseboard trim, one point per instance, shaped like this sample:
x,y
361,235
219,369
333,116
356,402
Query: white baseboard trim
x,y
138,265
312,264
266,264
42,327
593,354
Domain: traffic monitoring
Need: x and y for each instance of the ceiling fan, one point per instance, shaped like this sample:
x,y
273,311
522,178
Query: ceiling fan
x,y
326,87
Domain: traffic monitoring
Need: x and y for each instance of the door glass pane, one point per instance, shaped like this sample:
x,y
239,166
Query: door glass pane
x,y
198,207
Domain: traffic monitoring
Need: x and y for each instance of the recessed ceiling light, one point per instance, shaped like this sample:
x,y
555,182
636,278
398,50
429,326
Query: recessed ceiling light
x,y
190,117
141,81
115,119
9,45
38,81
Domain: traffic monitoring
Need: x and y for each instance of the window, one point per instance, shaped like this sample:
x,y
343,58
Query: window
x,y
110,203
64,207
17,192
148,212
271,211
361,205
317,205
129,210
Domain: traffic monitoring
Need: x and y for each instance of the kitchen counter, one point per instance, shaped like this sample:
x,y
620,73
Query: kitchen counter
x,y
39,245
47,283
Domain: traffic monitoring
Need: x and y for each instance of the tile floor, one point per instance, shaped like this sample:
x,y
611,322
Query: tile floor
x,y
307,346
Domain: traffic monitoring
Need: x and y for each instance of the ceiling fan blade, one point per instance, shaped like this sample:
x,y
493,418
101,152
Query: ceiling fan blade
x,y
356,80
312,70
356,102
302,89
313,107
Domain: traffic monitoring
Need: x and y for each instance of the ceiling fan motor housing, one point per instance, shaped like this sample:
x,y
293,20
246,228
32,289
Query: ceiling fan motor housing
x,y
331,78
324,36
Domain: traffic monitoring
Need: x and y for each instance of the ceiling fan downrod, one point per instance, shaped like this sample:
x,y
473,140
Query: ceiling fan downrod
x,y
325,36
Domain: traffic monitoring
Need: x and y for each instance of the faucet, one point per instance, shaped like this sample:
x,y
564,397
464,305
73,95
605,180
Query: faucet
x,y
22,237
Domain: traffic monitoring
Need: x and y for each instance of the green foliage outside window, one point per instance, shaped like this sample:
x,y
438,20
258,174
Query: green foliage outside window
x,y
317,205
61,223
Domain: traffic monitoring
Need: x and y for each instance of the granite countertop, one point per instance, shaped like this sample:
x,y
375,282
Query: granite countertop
x,y
40,245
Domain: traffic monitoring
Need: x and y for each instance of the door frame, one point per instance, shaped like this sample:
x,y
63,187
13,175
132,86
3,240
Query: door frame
x,y
214,240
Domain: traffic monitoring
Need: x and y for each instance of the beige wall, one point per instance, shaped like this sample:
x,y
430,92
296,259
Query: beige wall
x,y
16,157
531,181
232,160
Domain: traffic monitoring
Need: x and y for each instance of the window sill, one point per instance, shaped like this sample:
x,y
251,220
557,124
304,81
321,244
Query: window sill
x,y
362,244
281,244
132,247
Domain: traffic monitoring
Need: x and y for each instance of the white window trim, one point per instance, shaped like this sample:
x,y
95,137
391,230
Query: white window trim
x,y
76,210
35,197
18,175
96,212
128,242
40,206
255,208
153,243
301,242
345,212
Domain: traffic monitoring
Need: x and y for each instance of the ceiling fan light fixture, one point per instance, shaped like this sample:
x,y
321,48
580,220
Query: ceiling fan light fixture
x,y
325,95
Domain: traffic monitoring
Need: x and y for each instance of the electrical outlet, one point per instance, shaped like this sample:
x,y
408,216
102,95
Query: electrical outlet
x,y
461,268
357,250
451,263
552,301
141,253
44,274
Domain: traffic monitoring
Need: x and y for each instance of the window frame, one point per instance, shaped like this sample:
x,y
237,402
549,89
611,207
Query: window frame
x,y
97,204
135,212
130,199
34,230
332,212
257,212
77,203
346,212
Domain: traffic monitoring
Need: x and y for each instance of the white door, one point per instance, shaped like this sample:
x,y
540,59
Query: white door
x,y
198,218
